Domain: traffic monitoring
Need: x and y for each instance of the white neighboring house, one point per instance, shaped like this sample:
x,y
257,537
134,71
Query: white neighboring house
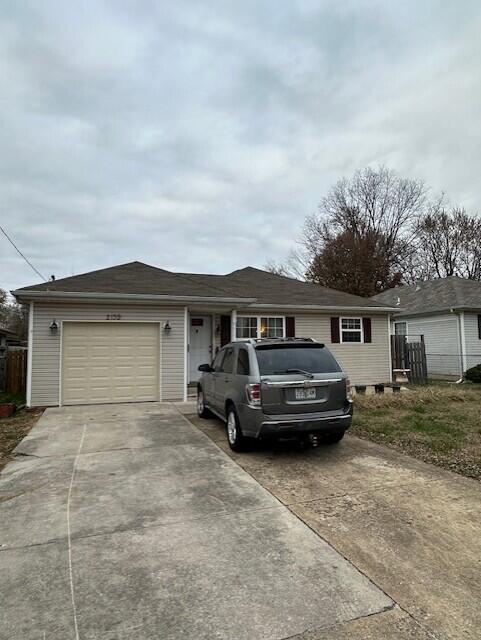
x,y
447,312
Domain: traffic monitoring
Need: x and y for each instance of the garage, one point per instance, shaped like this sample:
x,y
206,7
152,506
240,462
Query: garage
x,y
104,362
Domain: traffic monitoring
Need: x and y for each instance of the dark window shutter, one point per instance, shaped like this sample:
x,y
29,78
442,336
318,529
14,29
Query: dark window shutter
x,y
366,325
224,330
290,327
335,337
479,327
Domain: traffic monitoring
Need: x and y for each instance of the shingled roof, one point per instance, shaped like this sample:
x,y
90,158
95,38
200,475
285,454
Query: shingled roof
x,y
251,285
434,296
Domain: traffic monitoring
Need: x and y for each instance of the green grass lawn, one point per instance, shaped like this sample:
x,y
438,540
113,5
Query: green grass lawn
x,y
439,423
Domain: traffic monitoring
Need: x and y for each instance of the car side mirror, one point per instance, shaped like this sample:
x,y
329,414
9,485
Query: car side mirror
x,y
206,368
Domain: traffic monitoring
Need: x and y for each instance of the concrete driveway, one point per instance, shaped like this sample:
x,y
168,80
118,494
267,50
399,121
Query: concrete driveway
x,y
413,528
122,522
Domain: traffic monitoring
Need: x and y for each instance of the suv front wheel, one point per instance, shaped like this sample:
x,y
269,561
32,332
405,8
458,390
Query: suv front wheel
x,y
235,438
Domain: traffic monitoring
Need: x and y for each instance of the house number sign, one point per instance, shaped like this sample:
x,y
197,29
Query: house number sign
x,y
113,316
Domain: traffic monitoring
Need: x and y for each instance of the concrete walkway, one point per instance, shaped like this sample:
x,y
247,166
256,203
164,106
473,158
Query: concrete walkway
x,y
413,528
121,522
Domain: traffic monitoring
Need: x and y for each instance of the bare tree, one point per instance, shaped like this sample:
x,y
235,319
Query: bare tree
x,y
12,315
449,243
372,201
295,266
371,220
355,264
376,230
3,308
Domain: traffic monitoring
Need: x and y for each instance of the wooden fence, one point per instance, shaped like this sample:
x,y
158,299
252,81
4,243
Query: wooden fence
x,y
410,355
16,371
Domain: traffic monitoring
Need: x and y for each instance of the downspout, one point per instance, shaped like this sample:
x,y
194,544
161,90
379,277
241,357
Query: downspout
x,y
389,322
462,344
186,354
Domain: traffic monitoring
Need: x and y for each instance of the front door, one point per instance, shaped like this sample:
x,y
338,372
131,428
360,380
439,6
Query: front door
x,y
200,345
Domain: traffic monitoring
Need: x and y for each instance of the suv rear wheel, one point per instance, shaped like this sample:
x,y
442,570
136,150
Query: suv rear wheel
x,y
202,411
235,438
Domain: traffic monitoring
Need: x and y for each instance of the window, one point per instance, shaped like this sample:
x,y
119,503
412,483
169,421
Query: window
x,y
312,358
246,328
272,327
228,362
243,362
400,328
257,327
351,330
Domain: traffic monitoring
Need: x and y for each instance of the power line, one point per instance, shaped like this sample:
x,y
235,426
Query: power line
x,y
18,250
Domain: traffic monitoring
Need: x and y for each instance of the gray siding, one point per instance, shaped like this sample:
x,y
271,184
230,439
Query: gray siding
x,y
364,363
441,336
473,343
46,347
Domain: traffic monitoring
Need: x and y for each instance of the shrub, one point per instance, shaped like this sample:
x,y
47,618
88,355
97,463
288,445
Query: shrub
x,y
474,374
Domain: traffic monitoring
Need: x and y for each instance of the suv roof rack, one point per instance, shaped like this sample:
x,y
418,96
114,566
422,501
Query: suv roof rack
x,y
262,340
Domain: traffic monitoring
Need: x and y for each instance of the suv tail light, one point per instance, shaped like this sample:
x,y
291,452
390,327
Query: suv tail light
x,y
253,394
349,391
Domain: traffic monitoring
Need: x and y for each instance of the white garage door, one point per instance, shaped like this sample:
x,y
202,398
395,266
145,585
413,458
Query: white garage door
x,y
110,362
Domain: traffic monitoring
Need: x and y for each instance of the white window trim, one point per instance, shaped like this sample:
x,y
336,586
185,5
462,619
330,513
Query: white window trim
x,y
361,329
264,315
401,322
30,353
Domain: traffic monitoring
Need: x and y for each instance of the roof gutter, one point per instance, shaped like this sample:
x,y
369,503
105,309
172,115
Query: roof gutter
x,y
26,294
323,307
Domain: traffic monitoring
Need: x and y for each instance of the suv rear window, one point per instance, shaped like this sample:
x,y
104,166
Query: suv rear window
x,y
314,359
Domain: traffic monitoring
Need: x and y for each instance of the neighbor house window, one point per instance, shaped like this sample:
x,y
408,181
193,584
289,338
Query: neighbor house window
x,y
260,327
351,330
400,328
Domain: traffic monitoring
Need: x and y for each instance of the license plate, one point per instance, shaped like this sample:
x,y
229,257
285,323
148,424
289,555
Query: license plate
x,y
305,394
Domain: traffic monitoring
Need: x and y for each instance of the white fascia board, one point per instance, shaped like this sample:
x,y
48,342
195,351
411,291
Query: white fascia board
x,y
30,354
318,307
127,297
174,299
436,312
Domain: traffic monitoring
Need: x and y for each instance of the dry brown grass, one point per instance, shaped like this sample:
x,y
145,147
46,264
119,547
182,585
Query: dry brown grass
x,y
14,429
438,423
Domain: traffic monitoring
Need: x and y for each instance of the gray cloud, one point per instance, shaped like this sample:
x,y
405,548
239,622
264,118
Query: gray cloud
x,y
197,136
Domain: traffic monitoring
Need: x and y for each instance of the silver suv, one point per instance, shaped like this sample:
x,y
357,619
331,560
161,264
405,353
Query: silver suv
x,y
276,388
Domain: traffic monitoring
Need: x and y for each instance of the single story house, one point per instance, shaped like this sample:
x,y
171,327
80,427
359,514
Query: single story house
x,y
447,312
134,332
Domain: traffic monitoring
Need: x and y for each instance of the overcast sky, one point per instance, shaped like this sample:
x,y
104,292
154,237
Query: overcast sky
x,y
196,136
